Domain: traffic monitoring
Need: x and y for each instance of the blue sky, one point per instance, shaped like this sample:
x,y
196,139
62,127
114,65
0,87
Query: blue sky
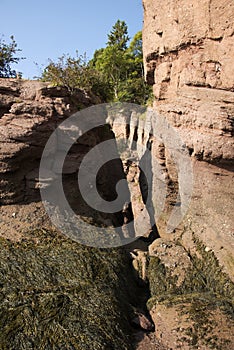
x,y
48,28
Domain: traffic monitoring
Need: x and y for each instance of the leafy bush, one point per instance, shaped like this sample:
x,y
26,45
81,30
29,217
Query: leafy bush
x,y
7,58
75,73
115,73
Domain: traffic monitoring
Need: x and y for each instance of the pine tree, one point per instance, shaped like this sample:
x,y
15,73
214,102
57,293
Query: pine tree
x,y
119,35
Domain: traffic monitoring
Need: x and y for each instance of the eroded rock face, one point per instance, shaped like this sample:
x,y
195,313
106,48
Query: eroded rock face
x,y
188,51
188,54
30,111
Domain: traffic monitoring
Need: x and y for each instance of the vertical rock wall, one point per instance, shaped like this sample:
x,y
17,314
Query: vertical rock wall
x,y
188,56
188,51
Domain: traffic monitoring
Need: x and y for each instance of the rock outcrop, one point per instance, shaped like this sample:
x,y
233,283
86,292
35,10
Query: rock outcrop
x,y
29,112
188,51
188,54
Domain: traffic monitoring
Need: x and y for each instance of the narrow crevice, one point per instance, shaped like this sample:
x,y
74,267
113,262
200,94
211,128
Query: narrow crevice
x,y
141,321
135,138
127,130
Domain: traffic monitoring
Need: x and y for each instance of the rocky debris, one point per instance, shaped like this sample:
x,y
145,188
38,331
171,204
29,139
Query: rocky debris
x,y
143,322
139,263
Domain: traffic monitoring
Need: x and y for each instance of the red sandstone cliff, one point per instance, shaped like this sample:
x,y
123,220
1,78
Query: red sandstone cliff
x,y
188,56
188,52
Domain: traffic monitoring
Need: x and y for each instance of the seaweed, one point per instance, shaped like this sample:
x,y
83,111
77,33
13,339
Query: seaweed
x,y
57,294
205,289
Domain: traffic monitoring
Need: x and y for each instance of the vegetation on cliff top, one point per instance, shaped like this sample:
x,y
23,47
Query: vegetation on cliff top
x,y
8,57
115,73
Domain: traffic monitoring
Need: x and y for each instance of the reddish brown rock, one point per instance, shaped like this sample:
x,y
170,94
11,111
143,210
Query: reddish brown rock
x,y
141,321
188,56
29,113
188,51
178,329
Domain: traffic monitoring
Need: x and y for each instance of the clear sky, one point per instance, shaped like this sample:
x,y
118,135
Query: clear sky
x,y
48,28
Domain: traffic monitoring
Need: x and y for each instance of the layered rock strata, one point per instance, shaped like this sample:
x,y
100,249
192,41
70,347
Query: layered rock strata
x,y
188,55
188,52
29,112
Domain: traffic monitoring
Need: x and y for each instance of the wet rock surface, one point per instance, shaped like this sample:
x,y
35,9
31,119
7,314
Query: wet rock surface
x,y
191,297
141,321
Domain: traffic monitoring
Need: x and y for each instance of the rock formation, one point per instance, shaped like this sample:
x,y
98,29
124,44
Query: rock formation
x,y
188,54
29,112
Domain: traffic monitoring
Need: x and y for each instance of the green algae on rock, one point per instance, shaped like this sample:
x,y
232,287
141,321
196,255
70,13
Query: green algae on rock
x,y
200,310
